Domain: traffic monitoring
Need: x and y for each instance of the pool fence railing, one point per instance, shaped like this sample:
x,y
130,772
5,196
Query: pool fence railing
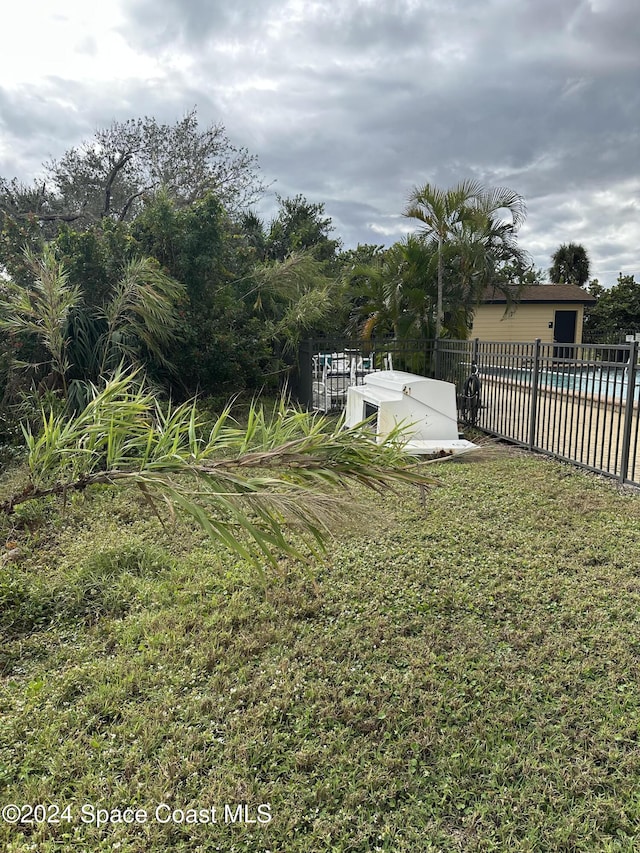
x,y
576,402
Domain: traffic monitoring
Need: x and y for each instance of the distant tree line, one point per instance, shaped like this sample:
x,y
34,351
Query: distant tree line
x,y
616,312
141,249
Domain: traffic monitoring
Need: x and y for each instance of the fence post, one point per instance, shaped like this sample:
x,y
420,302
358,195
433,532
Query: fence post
x,y
436,358
428,362
533,413
304,384
628,412
474,354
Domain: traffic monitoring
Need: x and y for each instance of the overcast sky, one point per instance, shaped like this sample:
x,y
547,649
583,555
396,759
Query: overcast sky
x,y
354,102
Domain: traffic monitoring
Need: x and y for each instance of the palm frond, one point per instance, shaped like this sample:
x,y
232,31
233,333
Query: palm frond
x,y
142,309
42,310
244,485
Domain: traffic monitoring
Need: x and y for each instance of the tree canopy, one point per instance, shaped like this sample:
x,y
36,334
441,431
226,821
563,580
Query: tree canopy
x,y
298,225
616,313
124,165
163,265
466,221
570,265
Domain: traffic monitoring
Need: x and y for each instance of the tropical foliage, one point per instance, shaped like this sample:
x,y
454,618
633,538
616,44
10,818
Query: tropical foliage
x,y
299,225
392,291
429,284
243,484
465,222
160,264
293,296
84,343
616,313
570,265
43,311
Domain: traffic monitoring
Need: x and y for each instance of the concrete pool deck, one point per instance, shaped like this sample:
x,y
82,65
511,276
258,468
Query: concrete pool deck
x,y
575,426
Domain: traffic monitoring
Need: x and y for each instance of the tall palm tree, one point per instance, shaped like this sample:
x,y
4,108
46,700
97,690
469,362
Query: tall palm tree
x,y
468,207
484,247
570,265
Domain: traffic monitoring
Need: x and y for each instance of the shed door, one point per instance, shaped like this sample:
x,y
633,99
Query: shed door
x,y
564,327
564,332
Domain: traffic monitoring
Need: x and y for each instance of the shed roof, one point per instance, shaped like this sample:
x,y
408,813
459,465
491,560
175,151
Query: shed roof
x,y
533,293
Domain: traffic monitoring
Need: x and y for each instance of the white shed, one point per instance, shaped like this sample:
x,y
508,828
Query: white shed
x,y
426,407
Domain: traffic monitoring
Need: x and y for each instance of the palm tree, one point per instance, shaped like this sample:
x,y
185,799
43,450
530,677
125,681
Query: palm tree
x,y
570,265
466,210
484,249
43,311
394,292
440,211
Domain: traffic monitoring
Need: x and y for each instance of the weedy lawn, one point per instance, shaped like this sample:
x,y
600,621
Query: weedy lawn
x,y
462,676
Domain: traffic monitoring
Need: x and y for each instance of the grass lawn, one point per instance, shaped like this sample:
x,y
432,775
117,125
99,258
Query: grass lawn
x,y
462,676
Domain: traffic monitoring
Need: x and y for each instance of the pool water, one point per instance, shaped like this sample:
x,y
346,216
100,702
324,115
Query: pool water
x,y
610,382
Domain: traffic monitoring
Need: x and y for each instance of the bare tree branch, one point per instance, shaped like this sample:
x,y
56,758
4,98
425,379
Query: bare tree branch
x,y
49,217
125,209
120,163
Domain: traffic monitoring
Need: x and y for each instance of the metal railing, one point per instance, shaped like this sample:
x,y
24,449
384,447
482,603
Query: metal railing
x,y
578,403
328,366
575,402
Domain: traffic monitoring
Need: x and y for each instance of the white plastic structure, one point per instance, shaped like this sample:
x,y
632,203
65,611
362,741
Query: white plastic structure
x,y
425,407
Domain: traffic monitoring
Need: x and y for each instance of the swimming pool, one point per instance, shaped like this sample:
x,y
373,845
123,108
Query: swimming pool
x,y
605,382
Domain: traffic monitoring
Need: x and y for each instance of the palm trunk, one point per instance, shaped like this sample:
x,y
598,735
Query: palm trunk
x,y
439,312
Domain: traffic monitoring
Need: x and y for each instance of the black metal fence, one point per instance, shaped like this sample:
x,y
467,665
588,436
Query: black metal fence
x,y
579,403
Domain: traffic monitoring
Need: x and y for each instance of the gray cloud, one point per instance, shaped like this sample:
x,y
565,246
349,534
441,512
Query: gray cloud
x,y
167,23
353,102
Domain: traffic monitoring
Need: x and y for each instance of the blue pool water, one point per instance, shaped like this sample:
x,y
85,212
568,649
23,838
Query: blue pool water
x,y
609,382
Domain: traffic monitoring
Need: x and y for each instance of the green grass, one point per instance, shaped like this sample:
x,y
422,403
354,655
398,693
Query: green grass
x,y
456,677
